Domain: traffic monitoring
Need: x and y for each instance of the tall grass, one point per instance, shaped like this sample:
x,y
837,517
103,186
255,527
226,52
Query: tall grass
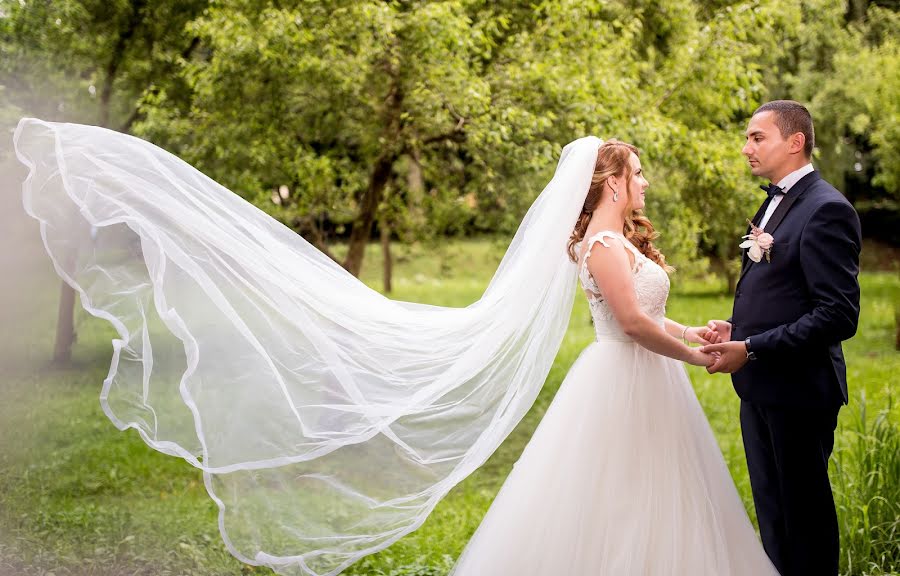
x,y
866,484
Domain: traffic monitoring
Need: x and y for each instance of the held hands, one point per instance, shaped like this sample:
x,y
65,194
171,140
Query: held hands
x,y
720,331
730,356
702,335
700,358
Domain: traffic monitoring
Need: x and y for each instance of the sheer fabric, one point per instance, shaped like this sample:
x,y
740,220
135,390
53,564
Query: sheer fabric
x,y
328,420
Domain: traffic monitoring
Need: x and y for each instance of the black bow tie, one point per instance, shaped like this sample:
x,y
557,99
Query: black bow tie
x,y
772,190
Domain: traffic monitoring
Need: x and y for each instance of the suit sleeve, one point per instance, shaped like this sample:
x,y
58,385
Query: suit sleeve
x,y
829,258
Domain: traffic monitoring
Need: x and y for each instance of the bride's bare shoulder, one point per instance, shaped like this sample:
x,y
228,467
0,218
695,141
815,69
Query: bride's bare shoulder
x,y
614,242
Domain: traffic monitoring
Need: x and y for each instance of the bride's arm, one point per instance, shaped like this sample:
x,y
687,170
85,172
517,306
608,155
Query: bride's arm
x,y
695,334
611,270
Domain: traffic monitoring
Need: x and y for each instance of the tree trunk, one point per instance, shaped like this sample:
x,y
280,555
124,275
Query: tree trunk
x,y
362,226
731,278
65,318
112,67
65,326
731,274
388,269
381,171
857,9
415,185
897,320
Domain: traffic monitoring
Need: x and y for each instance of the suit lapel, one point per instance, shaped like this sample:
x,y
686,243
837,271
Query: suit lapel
x,y
794,194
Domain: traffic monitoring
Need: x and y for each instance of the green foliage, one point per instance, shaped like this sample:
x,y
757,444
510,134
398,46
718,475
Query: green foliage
x,y
447,117
861,99
90,60
843,59
314,97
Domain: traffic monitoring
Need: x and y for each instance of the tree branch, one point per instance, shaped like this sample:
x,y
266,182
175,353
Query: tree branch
x,y
112,67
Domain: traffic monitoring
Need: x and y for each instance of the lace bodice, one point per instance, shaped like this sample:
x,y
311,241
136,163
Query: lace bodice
x,y
651,284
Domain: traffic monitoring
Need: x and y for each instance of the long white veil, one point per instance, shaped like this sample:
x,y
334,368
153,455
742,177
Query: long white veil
x,y
328,419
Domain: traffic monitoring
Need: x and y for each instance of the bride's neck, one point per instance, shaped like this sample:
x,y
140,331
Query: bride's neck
x,y
607,217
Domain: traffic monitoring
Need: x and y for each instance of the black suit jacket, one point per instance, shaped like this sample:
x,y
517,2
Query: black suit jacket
x,y
798,307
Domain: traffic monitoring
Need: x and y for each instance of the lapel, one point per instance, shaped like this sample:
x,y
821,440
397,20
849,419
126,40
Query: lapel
x,y
794,194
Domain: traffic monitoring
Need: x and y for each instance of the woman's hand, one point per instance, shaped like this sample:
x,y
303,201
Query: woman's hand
x,y
701,335
698,358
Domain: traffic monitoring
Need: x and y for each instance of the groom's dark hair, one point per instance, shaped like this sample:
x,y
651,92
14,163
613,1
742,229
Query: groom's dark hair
x,y
792,117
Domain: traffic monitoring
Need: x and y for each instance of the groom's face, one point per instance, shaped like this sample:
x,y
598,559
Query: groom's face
x,y
766,149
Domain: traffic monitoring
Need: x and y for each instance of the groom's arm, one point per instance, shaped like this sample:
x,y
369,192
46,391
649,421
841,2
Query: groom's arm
x,y
829,258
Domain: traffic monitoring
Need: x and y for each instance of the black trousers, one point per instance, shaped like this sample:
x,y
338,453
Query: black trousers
x,y
787,456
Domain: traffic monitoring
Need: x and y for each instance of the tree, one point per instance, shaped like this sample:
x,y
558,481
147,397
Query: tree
x,y
331,97
458,109
88,61
428,118
843,61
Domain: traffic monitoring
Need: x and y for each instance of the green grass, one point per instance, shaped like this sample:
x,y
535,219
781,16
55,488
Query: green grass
x,y
79,497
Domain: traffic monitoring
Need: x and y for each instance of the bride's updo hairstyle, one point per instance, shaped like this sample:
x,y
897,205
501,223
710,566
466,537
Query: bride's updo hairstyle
x,y
612,160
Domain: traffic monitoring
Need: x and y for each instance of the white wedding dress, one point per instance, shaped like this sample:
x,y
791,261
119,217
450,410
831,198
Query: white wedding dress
x,y
623,475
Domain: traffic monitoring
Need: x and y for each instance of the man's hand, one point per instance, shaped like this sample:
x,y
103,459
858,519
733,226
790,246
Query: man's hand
x,y
721,331
732,356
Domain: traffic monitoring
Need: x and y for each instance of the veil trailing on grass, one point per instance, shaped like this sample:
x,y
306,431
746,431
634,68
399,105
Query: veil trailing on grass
x,y
328,420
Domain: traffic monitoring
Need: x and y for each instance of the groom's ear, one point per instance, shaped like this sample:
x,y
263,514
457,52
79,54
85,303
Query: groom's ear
x,y
797,143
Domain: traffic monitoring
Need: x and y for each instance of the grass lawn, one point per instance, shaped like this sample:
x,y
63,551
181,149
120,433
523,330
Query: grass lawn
x,y
79,497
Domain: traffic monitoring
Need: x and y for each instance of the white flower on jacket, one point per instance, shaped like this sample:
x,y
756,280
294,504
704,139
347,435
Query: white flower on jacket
x,y
758,243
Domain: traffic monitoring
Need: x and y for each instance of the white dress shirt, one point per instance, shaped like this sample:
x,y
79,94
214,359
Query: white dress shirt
x,y
785,184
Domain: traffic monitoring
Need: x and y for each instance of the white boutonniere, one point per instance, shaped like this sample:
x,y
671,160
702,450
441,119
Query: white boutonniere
x,y
758,243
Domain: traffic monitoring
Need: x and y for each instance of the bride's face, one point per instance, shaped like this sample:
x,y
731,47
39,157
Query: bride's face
x,y
638,183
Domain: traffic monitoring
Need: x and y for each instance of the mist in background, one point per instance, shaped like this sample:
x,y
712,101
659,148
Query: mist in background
x,y
26,275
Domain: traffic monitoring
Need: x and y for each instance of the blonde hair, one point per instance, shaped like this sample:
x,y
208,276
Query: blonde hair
x,y
612,160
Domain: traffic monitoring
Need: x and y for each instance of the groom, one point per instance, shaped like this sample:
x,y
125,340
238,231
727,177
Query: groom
x,y
793,305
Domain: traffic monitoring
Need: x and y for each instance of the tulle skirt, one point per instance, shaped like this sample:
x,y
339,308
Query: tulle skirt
x,y
623,476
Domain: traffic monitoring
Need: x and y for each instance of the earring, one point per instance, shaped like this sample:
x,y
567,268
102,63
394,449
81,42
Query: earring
x,y
615,195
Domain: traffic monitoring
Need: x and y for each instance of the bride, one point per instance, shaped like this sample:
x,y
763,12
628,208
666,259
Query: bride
x,y
623,474
328,420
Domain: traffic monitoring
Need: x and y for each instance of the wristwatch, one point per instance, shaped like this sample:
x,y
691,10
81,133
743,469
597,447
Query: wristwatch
x,y
750,354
